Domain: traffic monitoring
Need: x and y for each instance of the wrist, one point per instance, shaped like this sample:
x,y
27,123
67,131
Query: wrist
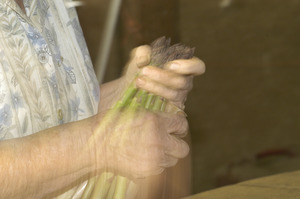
x,y
95,143
111,93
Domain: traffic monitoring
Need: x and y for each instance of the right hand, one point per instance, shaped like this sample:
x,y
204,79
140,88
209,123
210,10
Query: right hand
x,y
142,143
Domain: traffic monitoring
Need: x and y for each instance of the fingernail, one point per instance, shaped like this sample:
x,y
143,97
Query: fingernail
x,y
174,66
140,81
145,71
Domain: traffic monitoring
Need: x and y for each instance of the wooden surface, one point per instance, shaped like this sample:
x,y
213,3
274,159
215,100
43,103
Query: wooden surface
x,y
282,186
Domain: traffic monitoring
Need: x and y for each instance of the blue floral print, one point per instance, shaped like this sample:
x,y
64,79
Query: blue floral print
x,y
46,74
5,115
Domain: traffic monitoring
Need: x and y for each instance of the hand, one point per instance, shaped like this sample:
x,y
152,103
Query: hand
x,y
173,82
142,143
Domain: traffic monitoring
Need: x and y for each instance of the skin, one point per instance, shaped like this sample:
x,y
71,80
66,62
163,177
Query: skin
x,y
21,5
173,82
49,162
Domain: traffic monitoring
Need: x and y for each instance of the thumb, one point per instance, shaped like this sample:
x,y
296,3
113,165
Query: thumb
x,y
139,57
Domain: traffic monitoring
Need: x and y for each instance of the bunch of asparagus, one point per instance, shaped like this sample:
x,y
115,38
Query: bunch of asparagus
x,y
111,186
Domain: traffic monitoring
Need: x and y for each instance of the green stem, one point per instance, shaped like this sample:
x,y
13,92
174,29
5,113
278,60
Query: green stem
x,y
141,98
132,190
112,189
121,187
133,98
110,116
149,103
89,188
102,185
126,99
163,106
157,103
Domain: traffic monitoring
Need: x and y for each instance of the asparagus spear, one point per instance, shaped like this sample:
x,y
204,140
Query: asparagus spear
x,y
134,98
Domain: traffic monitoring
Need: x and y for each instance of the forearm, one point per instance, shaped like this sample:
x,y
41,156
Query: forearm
x,y
29,164
63,184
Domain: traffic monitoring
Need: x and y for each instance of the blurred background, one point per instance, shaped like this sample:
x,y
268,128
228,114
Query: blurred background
x,y
244,113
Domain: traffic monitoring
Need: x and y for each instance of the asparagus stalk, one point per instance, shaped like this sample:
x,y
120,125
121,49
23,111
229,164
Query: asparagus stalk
x,y
133,99
89,188
103,185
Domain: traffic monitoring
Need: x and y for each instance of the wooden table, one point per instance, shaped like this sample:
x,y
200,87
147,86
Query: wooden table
x,y
281,186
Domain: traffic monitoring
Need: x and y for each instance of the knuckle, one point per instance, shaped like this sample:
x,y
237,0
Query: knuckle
x,y
184,131
182,126
183,149
140,51
186,150
148,168
169,161
173,162
158,171
185,124
182,82
174,95
144,49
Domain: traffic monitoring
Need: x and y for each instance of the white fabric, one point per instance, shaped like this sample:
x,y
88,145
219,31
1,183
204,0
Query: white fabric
x,y
46,75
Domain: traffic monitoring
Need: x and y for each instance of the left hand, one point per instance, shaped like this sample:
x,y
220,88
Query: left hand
x,y
173,82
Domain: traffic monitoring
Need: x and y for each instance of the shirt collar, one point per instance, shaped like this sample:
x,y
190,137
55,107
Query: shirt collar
x,y
30,5
34,10
13,5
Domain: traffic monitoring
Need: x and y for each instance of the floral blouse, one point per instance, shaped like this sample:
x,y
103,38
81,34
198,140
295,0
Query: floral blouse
x,y
46,75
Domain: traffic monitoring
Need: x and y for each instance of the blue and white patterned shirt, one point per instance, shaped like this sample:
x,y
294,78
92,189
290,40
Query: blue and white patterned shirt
x,y
46,75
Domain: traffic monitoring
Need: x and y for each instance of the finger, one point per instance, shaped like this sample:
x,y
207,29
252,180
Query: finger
x,y
169,161
157,171
152,172
177,125
192,66
161,90
168,78
140,56
176,147
140,170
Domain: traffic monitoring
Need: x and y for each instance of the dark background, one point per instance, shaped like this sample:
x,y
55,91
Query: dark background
x,y
244,112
